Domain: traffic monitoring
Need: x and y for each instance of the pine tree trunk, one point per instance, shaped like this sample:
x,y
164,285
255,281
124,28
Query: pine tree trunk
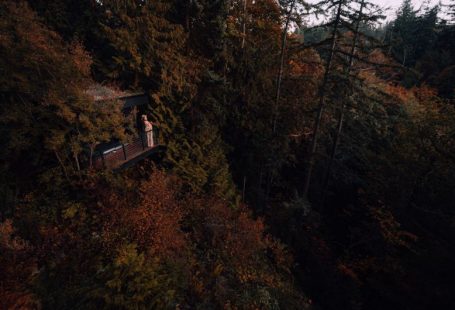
x,y
343,103
322,94
278,92
91,156
280,71
244,23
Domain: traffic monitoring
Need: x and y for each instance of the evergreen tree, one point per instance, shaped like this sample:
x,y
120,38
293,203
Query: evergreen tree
x,y
71,19
337,20
403,34
290,9
145,50
345,27
257,150
47,117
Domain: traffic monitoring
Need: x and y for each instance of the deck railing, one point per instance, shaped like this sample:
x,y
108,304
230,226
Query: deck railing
x,y
123,152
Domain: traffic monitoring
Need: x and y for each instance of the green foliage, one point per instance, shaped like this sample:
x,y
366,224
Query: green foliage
x,y
116,247
46,115
144,238
423,41
130,282
147,50
142,47
71,19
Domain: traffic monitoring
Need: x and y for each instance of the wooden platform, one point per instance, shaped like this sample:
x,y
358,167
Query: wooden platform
x,y
123,155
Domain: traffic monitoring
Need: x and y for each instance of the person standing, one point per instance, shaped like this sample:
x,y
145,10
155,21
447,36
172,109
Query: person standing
x,y
148,130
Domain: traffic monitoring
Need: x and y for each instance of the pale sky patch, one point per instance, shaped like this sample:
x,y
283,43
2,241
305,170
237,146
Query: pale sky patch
x,y
395,4
392,6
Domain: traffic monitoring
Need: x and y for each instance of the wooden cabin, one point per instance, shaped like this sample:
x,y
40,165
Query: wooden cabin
x,y
120,155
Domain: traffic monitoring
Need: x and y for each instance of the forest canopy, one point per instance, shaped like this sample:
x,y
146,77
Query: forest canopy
x,y
290,166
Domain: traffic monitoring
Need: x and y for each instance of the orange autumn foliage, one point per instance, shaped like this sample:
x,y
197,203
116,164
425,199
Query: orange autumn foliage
x,y
149,217
16,268
219,255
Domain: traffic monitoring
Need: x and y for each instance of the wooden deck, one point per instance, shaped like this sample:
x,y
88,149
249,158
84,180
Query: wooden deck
x,y
122,155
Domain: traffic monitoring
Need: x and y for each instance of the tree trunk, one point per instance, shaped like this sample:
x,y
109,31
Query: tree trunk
x,y
244,23
244,189
91,157
322,94
187,15
343,103
278,92
62,165
280,71
78,165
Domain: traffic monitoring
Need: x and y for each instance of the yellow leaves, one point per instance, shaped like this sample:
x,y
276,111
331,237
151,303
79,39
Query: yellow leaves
x,y
245,276
218,270
66,112
81,58
127,254
55,140
197,285
71,211
306,63
47,92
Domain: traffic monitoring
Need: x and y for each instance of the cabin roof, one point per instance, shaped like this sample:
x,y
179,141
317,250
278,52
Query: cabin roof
x,y
101,92
134,100
130,99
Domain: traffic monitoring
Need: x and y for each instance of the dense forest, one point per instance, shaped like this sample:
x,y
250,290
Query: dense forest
x,y
307,155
